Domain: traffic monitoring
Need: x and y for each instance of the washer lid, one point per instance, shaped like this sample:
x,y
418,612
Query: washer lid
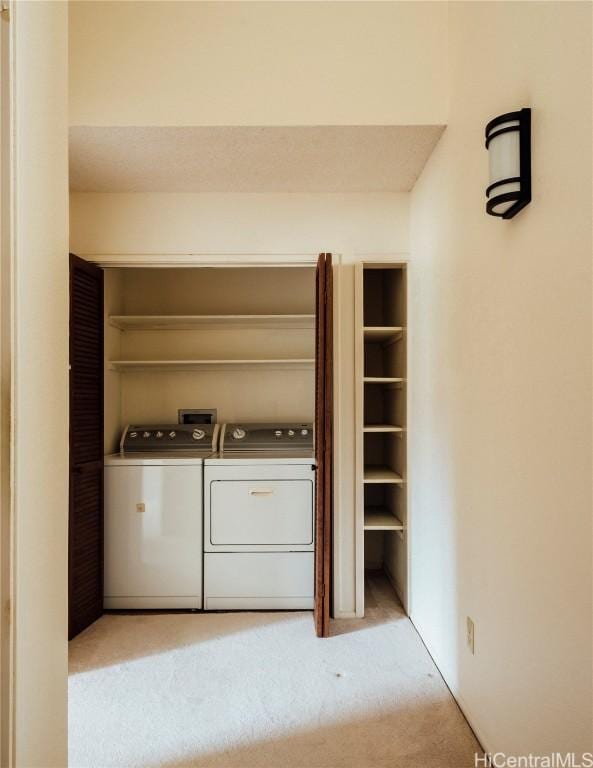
x,y
164,458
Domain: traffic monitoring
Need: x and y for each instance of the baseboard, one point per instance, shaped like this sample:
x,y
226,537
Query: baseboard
x,y
472,721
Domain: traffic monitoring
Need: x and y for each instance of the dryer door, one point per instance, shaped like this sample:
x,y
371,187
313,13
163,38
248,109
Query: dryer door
x,y
261,512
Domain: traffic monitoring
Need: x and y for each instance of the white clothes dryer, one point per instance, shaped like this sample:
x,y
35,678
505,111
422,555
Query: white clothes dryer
x,y
259,518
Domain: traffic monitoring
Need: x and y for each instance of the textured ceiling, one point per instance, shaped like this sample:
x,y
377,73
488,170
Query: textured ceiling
x,y
249,159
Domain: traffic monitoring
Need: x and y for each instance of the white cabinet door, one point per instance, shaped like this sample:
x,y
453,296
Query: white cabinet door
x,y
153,535
261,512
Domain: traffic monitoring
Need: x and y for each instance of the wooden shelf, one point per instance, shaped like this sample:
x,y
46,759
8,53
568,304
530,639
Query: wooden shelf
x,y
381,519
210,322
383,380
379,474
383,332
211,365
382,428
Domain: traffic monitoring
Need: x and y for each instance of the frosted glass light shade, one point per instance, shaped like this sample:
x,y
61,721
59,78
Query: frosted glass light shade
x,y
509,153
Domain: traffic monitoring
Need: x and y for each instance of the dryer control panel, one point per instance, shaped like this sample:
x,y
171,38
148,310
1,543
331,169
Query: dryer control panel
x,y
267,437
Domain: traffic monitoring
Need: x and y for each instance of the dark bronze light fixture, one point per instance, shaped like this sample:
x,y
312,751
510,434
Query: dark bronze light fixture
x,y
508,141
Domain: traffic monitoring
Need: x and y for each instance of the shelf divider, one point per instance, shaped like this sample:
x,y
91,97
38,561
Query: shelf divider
x,y
383,380
380,474
210,365
210,322
382,428
383,333
381,519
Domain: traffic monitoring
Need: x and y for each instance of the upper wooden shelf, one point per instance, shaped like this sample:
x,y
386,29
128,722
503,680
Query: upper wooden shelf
x,y
210,322
383,332
211,365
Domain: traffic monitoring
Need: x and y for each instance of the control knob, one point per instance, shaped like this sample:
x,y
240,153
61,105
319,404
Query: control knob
x,y
146,435
304,432
159,434
278,433
291,432
133,434
198,434
238,433
172,434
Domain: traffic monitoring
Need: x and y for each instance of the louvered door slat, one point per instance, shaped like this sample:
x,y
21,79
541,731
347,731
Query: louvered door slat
x,y
86,445
323,442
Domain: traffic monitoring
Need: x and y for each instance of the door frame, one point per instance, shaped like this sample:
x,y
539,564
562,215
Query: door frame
x,y
172,260
7,255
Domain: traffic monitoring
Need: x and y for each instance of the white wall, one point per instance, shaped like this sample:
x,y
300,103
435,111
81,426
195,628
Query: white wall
x,y
237,223
258,63
40,483
350,225
501,394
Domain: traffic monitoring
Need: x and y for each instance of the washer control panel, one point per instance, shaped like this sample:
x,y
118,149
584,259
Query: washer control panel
x,y
169,437
266,437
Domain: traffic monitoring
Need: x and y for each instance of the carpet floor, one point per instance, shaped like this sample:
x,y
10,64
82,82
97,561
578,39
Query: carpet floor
x,y
247,690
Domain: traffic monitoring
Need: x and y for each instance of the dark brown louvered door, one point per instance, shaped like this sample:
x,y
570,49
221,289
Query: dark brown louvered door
x,y
323,442
85,552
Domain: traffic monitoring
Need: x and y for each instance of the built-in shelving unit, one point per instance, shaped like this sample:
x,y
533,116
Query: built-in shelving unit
x,y
381,424
210,322
205,365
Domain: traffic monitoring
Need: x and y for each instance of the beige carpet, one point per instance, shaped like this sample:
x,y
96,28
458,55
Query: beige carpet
x,y
240,690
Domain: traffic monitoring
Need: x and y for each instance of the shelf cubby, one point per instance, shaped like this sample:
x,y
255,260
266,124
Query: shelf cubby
x,y
210,322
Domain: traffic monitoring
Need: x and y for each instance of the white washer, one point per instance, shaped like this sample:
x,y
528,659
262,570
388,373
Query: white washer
x,y
153,517
259,518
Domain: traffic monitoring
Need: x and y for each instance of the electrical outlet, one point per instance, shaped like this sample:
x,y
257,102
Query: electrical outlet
x,y
469,637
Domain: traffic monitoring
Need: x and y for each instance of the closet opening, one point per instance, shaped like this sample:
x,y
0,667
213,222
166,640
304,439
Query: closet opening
x,y
210,513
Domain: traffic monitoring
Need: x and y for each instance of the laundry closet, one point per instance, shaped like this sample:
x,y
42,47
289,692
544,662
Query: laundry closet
x,y
193,472
215,372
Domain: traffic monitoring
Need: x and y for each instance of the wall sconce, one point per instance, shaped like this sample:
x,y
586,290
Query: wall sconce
x,y
508,141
